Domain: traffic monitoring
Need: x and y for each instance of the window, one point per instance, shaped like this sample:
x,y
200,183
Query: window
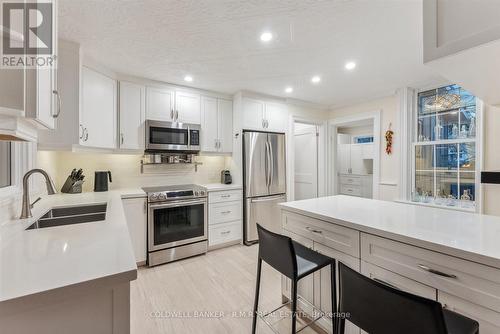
x,y
5,164
445,147
363,139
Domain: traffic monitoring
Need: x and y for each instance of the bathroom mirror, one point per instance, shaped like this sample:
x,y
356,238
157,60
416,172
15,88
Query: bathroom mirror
x,y
5,164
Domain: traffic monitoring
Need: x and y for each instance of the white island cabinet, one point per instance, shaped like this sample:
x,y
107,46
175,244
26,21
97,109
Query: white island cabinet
x,y
449,256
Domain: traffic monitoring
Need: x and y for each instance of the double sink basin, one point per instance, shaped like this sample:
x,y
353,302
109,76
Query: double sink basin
x,y
71,215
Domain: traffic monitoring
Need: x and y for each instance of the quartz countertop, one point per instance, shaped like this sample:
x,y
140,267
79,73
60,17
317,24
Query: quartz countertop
x,y
221,187
44,259
466,235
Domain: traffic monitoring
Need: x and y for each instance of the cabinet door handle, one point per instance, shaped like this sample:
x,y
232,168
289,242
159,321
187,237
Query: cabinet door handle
x,y
172,114
313,230
225,232
86,134
436,272
225,196
176,115
225,212
83,131
121,138
58,103
267,124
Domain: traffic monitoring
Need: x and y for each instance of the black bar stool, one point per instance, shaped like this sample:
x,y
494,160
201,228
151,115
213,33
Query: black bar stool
x,y
295,262
380,309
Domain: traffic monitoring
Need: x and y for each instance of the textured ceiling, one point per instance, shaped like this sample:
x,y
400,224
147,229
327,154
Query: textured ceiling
x,y
217,42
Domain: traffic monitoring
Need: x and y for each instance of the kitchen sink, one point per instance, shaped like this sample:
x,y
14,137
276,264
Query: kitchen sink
x,y
71,215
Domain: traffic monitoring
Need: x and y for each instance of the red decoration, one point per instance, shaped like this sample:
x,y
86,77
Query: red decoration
x,y
388,140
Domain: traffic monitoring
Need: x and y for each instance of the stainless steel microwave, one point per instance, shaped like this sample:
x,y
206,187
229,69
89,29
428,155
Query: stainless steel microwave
x,y
172,136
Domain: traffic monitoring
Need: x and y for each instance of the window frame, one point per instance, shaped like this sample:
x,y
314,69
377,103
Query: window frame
x,y
412,134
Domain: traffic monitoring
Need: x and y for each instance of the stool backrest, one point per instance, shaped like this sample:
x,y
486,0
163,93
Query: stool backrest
x,y
379,309
277,251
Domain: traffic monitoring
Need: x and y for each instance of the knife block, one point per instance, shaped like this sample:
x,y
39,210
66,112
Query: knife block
x,y
72,187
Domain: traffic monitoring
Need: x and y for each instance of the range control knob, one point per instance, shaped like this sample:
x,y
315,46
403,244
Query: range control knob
x,y
202,192
196,193
162,196
153,197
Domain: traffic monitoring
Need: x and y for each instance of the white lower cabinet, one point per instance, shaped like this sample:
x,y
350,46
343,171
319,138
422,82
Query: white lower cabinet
x,y
136,214
225,218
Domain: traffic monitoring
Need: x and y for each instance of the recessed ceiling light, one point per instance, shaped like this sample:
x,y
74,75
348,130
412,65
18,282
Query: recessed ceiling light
x,y
188,78
350,65
289,90
316,79
266,36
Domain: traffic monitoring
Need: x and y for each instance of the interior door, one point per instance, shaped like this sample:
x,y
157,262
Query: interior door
x,y
209,136
277,181
256,162
131,116
306,162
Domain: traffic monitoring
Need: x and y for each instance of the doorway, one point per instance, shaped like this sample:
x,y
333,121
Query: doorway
x,y
305,161
355,155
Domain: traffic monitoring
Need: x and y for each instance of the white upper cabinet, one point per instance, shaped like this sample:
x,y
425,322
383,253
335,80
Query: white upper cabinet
x,y
252,114
217,125
209,126
98,110
267,116
187,107
462,43
225,128
132,115
276,117
160,104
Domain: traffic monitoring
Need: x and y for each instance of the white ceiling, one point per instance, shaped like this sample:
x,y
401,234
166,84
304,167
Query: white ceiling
x,y
217,42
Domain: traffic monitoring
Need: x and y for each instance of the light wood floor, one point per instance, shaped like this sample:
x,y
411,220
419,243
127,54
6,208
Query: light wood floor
x,y
171,298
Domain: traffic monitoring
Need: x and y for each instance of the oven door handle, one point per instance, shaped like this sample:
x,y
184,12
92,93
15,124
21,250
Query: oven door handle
x,y
174,204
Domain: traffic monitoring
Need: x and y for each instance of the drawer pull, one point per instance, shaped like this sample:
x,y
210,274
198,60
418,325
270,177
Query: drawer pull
x,y
225,196
386,283
436,272
225,212
313,230
225,232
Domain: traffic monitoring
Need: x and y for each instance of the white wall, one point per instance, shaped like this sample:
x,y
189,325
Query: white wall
x,y
389,164
356,130
125,169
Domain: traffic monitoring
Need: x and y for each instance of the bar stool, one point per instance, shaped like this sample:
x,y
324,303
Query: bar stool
x,y
380,309
295,261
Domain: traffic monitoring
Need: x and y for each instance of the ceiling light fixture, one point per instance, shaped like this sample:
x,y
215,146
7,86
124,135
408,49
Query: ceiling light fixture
x,y
266,36
288,90
188,78
350,65
315,79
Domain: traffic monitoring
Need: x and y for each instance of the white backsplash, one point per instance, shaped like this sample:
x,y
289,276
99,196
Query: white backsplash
x,y
126,169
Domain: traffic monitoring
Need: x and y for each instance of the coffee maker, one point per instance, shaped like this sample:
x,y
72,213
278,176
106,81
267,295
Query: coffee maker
x,y
101,180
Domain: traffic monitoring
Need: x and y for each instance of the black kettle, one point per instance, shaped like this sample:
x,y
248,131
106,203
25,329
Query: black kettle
x,y
101,180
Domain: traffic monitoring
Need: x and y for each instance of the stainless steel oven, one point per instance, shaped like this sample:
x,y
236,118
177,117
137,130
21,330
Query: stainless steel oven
x,y
177,223
172,136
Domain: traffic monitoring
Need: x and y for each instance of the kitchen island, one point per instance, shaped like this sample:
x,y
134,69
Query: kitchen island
x,y
446,255
67,279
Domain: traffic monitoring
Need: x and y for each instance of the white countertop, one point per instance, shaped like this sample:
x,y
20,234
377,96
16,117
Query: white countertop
x,y
466,235
221,187
50,258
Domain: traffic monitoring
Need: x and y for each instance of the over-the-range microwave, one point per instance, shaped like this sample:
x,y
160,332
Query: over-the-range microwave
x,y
172,136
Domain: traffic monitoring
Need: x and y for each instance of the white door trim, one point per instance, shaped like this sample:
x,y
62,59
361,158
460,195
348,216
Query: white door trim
x,y
333,126
322,155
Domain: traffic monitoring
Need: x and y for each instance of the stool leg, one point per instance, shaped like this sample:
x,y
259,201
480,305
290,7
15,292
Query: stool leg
x,y
294,306
333,289
256,300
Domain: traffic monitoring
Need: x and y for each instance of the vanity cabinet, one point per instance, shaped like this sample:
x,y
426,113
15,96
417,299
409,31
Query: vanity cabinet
x,y
136,214
132,116
263,115
225,218
466,287
217,125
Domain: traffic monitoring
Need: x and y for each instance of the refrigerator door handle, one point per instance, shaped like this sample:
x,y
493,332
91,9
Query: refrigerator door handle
x,y
268,164
271,159
267,199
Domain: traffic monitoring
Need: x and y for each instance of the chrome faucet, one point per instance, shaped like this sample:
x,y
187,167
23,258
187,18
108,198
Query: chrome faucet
x,y
26,206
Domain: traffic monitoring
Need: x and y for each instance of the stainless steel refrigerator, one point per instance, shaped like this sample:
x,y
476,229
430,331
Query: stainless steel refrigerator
x,y
264,181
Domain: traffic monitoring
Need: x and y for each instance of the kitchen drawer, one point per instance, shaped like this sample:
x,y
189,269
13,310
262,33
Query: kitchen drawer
x,y
397,281
224,232
224,196
351,190
340,238
350,180
224,212
471,281
489,321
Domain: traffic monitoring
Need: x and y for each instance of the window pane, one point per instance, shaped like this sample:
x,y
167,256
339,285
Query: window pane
x,y
424,183
424,157
447,126
5,179
446,157
447,184
426,126
468,156
468,122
